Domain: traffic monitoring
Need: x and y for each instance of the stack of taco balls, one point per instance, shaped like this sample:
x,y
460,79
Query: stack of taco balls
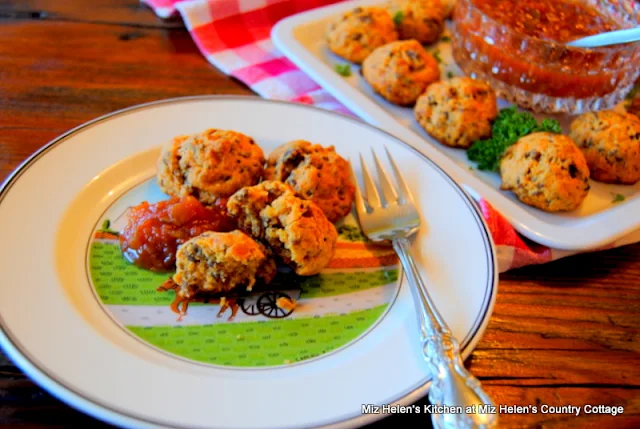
x,y
234,214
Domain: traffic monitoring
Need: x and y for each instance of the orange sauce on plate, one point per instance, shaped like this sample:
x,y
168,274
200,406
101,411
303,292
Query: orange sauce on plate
x,y
154,231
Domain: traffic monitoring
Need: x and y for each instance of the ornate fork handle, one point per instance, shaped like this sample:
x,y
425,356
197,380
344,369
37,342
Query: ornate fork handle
x,y
457,397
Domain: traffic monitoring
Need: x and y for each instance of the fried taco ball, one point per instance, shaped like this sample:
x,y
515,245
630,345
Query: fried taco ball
x,y
400,71
209,165
610,142
221,262
295,229
246,205
546,171
422,20
315,173
355,34
457,111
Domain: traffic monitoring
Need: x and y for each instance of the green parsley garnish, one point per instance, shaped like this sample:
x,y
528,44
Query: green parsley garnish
x,y
508,127
398,17
618,198
343,69
450,74
445,39
436,55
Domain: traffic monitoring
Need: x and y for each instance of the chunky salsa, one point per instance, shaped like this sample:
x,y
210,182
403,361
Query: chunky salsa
x,y
499,49
558,20
154,231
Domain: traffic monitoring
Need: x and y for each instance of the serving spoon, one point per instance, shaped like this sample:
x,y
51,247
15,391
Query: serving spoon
x,y
617,37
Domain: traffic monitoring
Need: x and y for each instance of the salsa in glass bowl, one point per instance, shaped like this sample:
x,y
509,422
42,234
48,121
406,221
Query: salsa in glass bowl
x,y
520,48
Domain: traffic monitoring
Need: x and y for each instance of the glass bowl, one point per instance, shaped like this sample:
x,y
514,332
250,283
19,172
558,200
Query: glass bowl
x,y
543,75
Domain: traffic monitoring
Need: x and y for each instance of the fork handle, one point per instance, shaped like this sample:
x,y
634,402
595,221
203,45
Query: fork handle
x,y
452,385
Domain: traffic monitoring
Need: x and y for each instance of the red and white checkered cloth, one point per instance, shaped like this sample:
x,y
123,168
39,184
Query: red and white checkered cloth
x,y
234,35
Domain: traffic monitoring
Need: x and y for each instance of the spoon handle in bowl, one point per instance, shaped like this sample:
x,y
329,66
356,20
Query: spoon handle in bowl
x,y
617,37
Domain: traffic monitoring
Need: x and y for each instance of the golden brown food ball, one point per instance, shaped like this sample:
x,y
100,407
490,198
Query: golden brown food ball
x,y
246,205
209,165
457,111
315,173
355,34
546,171
610,142
400,71
295,229
221,262
422,20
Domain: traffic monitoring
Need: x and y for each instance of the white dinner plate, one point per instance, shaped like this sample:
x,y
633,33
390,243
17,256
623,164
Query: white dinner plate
x,y
93,330
601,218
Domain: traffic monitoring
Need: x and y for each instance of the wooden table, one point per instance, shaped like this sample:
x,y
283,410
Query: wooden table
x,y
565,333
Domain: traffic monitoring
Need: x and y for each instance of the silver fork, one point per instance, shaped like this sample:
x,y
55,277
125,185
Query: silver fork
x,y
395,217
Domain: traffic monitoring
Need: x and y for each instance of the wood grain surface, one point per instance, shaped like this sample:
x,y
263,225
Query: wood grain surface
x,y
565,333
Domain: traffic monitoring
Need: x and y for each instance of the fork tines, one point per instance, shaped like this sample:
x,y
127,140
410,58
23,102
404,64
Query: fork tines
x,y
371,199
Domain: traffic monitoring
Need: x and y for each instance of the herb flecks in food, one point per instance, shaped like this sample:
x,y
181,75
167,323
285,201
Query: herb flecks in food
x,y
509,126
445,39
343,69
618,198
436,55
398,17
450,75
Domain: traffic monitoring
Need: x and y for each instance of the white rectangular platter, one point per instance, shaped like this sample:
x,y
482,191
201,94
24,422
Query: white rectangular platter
x,y
597,222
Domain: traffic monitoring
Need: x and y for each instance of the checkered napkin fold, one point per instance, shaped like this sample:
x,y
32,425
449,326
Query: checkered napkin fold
x,y
234,35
